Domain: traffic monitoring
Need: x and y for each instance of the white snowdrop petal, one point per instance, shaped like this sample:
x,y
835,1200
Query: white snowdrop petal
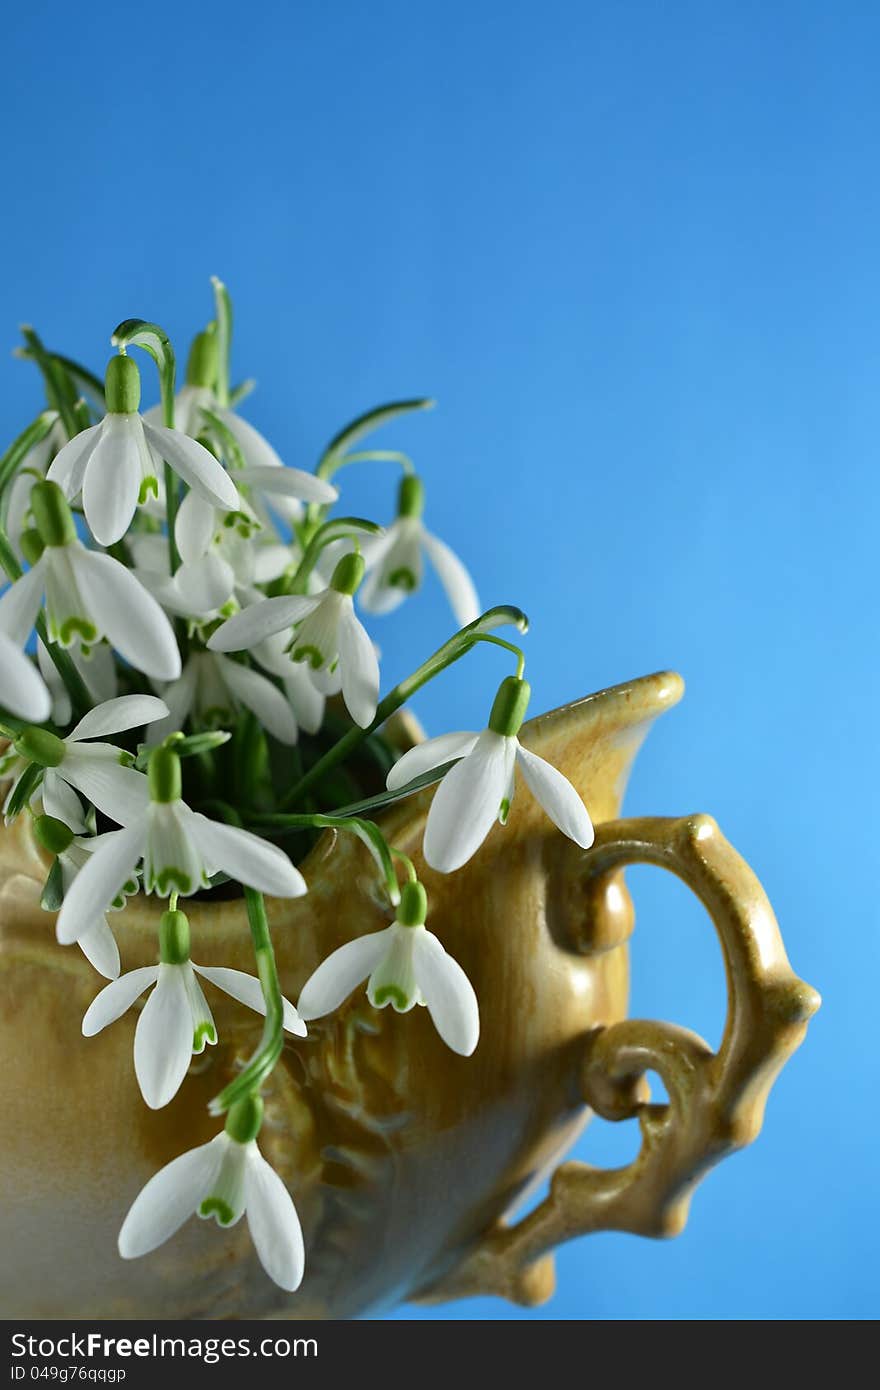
x,y
342,971
114,716
288,482
179,697
98,945
448,993
68,467
196,465
247,858
308,702
205,584
171,1196
120,792
261,620
466,804
163,1039
258,694
112,479
117,998
455,579
273,1223
359,667
23,691
129,617
61,801
433,752
248,990
258,452
21,602
194,527
97,884
557,796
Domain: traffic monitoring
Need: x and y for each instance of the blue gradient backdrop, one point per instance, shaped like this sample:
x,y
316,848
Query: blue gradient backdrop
x,y
633,250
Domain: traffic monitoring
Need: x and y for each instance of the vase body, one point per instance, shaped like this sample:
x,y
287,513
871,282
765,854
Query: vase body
x,y
399,1154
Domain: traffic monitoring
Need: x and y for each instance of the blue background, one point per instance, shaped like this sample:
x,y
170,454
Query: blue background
x,y
633,250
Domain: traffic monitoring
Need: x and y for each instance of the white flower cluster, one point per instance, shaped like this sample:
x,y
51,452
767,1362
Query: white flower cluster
x,y
189,597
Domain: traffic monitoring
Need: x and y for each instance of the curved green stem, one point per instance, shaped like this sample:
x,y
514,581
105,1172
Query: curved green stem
x,y
261,1065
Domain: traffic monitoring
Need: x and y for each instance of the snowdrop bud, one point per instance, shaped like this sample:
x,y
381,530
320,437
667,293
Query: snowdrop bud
x,y
174,938
413,907
122,386
52,515
164,776
52,834
201,368
509,707
348,574
39,746
244,1119
32,546
410,496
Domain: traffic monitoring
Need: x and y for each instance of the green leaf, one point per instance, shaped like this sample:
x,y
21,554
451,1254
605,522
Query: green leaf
x,y
186,746
23,790
52,895
332,456
60,390
224,338
376,803
28,439
241,392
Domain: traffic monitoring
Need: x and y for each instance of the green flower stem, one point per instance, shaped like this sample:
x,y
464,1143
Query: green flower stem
x,y
74,684
60,390
261,1065
223,308
365,830
451,651
338,529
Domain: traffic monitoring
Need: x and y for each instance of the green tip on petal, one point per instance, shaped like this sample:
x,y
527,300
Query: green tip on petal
x,y
413,908
39,746
348,574
244,1119
122,386
163,772
174,938
52,834
509,707
52,515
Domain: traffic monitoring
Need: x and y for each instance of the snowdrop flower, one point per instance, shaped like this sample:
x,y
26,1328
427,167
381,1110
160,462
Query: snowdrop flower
x,y
394,561
97,770
31,470
306,701
97,942
211,691
176,1021
180,849
406,965
479,790
116,464
326,635
98,671
224,1179
87,595
23,691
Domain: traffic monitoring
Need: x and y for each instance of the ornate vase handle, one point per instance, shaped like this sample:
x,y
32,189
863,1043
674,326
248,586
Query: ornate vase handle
x,y
716,1099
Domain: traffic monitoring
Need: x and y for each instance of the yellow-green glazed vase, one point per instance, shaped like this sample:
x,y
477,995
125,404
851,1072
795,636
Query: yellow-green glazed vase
x,y
403,1158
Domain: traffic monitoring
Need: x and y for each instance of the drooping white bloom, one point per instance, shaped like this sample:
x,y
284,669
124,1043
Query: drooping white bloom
x,y
181,850
394,562
306,700
213,688
72,852
324,633
223,1179
87,596
99,771
23,691
176,1021
479,789
116,465
405,965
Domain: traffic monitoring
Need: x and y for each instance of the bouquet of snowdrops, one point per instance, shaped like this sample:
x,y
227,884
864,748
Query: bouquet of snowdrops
x,y
184,685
